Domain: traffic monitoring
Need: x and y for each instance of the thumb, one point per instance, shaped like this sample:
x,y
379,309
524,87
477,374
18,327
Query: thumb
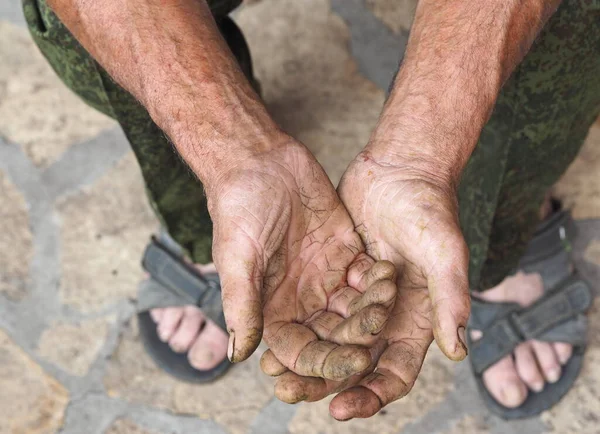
x,y
448,284
240,267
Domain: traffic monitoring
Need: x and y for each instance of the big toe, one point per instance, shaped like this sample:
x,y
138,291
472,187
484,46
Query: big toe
x,y
503,383
210,347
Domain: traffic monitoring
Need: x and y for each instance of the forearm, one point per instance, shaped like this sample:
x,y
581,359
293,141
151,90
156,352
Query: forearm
x,y
459,55
170,55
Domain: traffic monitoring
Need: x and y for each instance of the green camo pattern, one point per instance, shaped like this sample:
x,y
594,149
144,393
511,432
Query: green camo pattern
x,y
174,192
539,124
540,121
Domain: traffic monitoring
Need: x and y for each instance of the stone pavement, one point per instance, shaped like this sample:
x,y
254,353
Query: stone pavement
x,y
75,220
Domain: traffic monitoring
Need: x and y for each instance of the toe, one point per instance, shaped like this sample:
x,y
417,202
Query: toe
x,y
547,360
210,347
527,367
169,321
191,322
156,314
563,352
504,384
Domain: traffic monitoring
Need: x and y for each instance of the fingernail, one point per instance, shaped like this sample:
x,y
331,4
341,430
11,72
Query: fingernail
x,y
462,337
553,375
537,387
230,346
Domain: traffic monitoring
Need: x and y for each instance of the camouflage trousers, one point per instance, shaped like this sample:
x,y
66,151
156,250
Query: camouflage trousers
x,y
539,123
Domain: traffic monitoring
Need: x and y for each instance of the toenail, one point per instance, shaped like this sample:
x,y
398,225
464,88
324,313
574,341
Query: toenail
x,y
178,348
563,358
553,375
513,395
203,359
163,334
537,387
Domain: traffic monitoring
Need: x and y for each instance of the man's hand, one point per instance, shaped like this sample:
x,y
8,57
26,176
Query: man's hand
x,y
410,219
400,191
285,245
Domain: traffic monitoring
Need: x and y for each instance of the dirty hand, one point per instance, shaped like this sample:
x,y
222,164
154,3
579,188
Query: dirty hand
x,y
409,217
285,248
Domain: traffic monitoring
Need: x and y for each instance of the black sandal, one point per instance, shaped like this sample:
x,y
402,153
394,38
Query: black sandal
x,y
558,316
173,282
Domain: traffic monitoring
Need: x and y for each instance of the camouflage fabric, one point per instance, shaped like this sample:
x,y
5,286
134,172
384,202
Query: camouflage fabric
x,y
539,123
174,192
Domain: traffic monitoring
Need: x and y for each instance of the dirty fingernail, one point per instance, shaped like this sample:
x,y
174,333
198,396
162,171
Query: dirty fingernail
x,y
230,346
462,336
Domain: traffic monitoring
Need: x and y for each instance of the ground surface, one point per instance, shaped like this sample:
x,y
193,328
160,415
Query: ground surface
x,y
75,220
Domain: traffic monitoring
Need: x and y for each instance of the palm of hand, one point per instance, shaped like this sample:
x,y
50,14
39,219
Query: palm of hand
x,y
284,245
412,222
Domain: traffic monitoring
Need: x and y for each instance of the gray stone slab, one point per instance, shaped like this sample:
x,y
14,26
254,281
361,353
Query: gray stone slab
x,y
10,10
85,162
274,418
377,50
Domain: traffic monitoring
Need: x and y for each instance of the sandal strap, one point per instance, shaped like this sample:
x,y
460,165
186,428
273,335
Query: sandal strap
x,y
555,310
183,281
553,235
572,298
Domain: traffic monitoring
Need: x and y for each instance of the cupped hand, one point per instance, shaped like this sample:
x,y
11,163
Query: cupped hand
x,y
285,248
408,217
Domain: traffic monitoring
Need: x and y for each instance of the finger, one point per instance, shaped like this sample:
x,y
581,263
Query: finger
x,y
339,302
362,277
312,390
299,349
448,284
292,388
270,365
362,328
396,373
240,271
382,292
348,301
324,323
359,267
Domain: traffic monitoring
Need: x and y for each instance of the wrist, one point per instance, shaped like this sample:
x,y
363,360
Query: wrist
x,y
214,147
429,130
215,126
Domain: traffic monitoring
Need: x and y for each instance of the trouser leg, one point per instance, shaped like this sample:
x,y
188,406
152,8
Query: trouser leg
x,y
539,123
174,192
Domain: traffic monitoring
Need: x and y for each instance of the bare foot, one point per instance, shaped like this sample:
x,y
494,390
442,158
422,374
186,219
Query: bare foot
x,y
533,363
186,329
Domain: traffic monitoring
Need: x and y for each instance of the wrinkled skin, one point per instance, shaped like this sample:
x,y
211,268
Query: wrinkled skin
x,y
285,247
409,218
